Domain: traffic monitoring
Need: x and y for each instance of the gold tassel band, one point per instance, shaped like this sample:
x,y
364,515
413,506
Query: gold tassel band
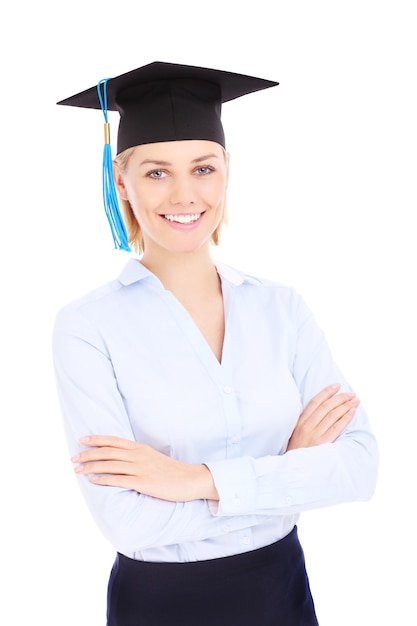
x,y
106,133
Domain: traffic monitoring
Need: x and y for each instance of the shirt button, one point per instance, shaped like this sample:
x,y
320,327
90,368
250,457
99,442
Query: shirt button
x,y
246,540
288,500
234,439
236,501
227,389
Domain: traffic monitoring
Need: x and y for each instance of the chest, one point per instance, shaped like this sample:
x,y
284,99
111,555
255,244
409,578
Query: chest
x,y
187,402
208,316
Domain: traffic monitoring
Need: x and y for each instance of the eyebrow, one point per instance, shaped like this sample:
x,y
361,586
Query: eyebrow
x,y
166,163
204,158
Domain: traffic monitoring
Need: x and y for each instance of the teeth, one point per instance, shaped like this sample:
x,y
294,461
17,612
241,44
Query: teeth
x,y
183,219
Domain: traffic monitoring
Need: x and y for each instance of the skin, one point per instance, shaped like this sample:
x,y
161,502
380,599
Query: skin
x,y
188,178
175,177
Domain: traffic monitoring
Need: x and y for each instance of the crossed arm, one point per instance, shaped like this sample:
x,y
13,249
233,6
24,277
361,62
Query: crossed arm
x,y
117,462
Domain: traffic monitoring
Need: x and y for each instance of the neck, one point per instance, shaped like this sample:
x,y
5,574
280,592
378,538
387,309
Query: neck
x,y
187,276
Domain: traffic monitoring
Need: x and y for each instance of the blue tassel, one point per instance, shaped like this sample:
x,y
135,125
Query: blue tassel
x,y
111,204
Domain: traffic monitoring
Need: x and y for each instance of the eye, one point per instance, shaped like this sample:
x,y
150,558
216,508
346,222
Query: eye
x,y
156,174
203,170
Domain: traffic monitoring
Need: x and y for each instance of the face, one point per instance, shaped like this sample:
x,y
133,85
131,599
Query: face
x,y
177,191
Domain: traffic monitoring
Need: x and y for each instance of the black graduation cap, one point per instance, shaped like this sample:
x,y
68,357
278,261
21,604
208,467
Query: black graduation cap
x,y
169,102
161,102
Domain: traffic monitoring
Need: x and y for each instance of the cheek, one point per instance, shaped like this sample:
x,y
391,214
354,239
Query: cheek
x,y
216,194
144,199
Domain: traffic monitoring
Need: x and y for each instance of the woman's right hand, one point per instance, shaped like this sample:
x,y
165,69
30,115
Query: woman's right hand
x,y
324,418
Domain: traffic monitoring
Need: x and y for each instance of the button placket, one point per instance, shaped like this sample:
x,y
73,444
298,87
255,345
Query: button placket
x,y
233,421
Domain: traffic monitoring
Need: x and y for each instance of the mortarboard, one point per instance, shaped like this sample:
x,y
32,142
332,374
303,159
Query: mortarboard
x,y
161,102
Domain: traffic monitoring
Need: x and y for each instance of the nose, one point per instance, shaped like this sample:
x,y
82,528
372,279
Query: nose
x,y
182,191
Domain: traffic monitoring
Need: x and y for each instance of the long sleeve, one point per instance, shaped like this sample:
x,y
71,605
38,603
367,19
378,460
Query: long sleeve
x,y
91,403
130,362
307,478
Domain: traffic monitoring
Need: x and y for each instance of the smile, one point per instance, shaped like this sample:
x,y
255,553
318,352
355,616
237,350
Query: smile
x,y
189,218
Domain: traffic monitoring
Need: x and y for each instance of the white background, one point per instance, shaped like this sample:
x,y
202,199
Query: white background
x,y
322,196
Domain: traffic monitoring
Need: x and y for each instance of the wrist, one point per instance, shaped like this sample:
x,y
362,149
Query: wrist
x,y
209,491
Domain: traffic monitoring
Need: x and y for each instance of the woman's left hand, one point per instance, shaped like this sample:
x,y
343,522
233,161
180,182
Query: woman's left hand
x,y
117,462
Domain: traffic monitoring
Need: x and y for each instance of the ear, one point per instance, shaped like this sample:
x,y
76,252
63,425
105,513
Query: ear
x,y
119,181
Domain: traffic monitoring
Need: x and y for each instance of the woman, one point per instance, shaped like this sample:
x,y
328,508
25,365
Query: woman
x,y
202,406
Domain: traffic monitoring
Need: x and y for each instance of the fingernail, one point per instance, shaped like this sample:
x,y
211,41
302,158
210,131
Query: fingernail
x,y
84,439
75,458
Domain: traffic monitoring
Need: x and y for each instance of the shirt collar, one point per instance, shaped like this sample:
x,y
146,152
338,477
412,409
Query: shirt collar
x,y
134,272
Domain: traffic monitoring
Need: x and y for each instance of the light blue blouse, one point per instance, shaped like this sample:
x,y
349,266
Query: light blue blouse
x,y
131,362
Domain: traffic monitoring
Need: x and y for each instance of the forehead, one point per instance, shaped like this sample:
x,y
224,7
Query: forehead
x,y
171,151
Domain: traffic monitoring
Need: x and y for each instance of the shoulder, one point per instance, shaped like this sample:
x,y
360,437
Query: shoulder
x,y
257,284
107,294
94,307
95,299
83,318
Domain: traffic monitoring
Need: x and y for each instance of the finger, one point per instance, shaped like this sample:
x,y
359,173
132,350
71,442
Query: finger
x,y
107,440
332,416
338,403
110,480
134,483
103,454
336,429
318,399
107,467
326,407
338,413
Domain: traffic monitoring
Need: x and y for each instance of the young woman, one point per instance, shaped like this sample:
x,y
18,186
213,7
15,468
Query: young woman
x,y
202,406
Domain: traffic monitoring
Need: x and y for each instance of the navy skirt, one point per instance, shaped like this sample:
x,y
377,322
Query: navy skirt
x,y
265,587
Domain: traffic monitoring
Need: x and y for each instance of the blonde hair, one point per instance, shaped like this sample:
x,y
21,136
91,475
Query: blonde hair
x,y
133,229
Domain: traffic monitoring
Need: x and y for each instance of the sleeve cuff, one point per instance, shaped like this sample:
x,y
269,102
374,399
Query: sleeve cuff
x,y
235,481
